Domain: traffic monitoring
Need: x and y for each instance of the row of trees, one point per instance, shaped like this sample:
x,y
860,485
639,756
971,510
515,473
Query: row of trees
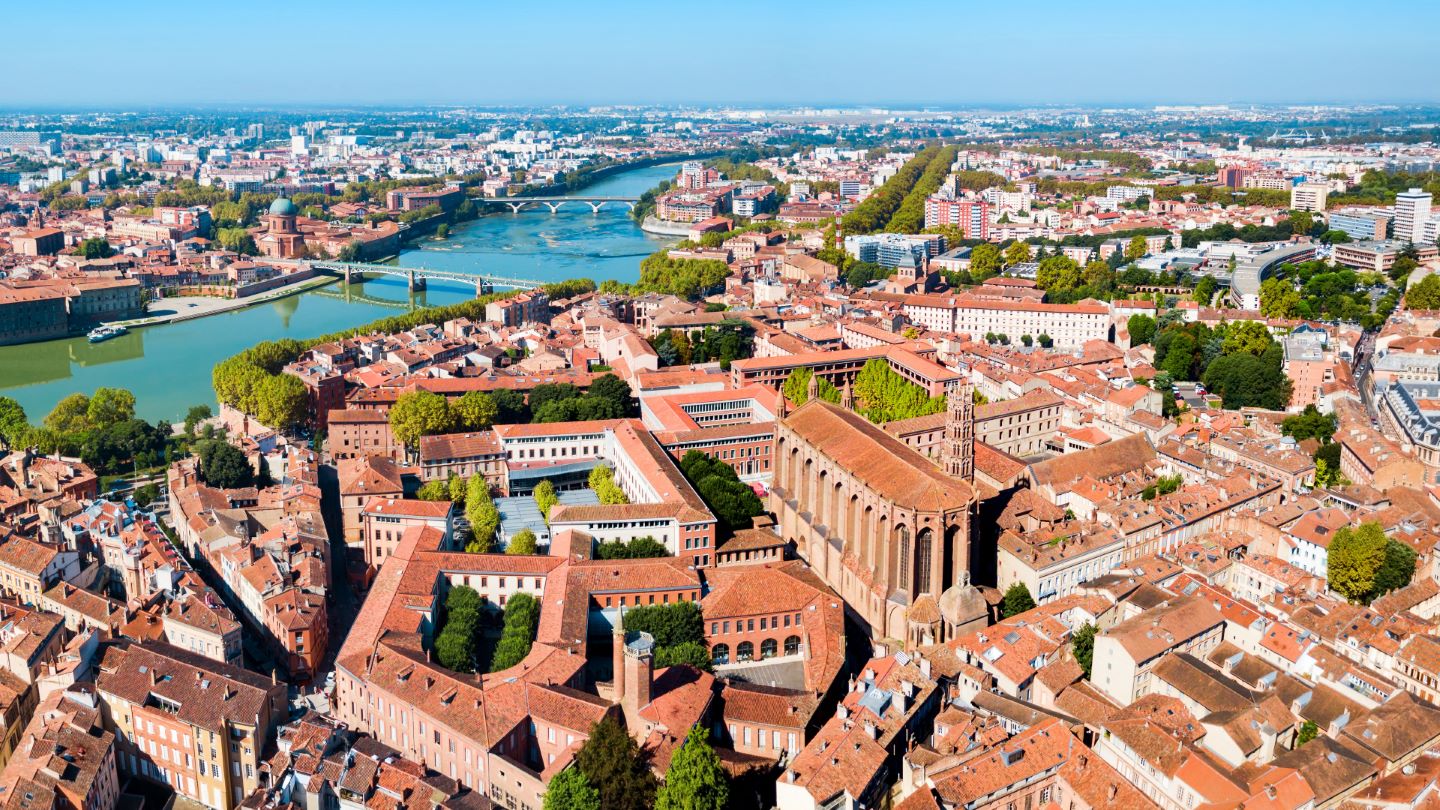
x,y
682,278
734,503
101,428
796,387
639,548
424,413
883,396
910,216
876,211
522,617
236,378
455,644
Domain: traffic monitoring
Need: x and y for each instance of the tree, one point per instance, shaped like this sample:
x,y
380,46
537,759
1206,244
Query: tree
x,y
734,503
483,516
419,413
238,240
196,415
1058,274
433,491
223,466
476,410
602,481
1244,380
1141,328
985,262
669,624
457,486
689,653
1396,569
1205,290
1354,557
545,498
1017,253
570,790
281,401
1301,222
1308,731
615,391
109,406
96,248
1044,340
695,780
1083,643
1278,298
70,415
1425,294
1249,337
1136,248
146,495
616,767
1310,424
13,423
522,543
1017,600
1026,340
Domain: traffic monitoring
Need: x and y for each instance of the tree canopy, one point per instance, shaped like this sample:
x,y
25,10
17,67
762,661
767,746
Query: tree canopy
x,y
695,779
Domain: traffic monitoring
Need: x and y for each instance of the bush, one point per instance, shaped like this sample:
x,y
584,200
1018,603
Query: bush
x,y
733,503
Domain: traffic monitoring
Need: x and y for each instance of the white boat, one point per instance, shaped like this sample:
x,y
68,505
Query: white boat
x,y
102,333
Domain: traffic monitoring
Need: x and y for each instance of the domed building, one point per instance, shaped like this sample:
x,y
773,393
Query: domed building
x,y
281,239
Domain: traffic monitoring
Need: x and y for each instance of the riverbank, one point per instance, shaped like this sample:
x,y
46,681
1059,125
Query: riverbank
x,y
660,227
167,365
189,307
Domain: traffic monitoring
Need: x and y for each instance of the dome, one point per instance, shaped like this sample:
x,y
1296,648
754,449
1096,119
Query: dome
x,y
962,604
282,207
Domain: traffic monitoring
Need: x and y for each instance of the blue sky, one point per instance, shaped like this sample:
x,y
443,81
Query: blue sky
x,y
165,52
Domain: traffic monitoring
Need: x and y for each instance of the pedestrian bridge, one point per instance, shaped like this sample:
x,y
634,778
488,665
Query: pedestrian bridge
x,y
417,277
554,203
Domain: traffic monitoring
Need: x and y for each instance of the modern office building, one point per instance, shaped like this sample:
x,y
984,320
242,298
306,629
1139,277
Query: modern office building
x,y
1360,223
1412,211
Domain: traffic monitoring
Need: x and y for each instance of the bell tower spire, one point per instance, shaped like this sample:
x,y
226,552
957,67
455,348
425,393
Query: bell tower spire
x,y
958,453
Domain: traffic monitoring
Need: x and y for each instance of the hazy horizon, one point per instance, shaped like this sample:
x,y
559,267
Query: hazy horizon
x,y
427,53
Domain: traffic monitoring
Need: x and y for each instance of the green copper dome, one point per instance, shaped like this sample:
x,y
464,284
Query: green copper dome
x,y
283,207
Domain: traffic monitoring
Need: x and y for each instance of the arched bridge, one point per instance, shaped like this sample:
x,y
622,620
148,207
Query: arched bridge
x,y
416,277
554,203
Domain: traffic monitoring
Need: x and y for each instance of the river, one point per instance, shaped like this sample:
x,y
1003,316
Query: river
x,y
168,366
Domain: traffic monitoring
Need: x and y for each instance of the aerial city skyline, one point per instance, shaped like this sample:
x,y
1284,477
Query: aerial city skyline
x,y
560,406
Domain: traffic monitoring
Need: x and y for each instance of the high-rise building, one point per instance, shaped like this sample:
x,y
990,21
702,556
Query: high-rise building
x,y
971,216
1412,211
1309,196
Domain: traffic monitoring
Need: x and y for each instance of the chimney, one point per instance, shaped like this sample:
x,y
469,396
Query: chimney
x,y
1110,794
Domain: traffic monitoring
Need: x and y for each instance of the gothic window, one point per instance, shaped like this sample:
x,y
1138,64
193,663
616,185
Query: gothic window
x,y
904,534
922,562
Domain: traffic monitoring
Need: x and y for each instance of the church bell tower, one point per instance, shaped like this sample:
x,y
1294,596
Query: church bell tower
x,y
958,454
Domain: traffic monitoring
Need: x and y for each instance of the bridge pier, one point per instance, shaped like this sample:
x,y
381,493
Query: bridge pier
x,y
515,207
483,287
630,206
347,275
414,282
595,207
554,207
